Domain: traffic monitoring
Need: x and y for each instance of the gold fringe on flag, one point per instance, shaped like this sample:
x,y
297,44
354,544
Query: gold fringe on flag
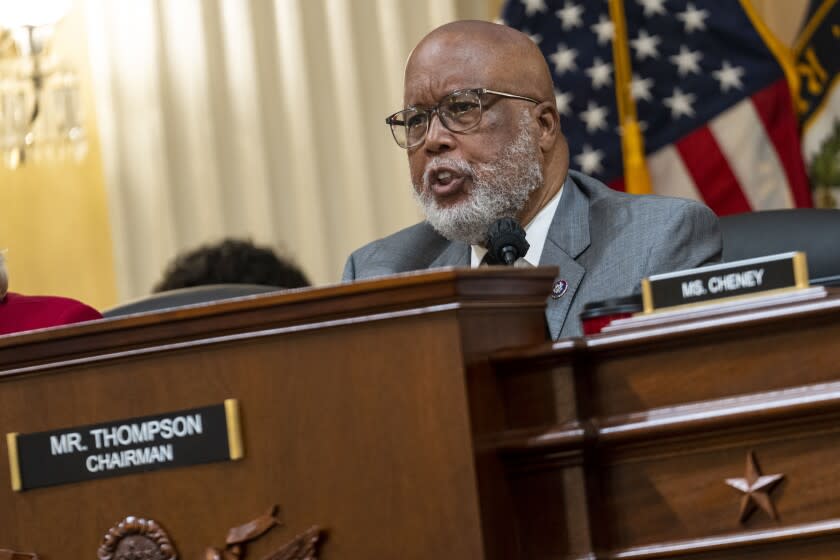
x,y
636,178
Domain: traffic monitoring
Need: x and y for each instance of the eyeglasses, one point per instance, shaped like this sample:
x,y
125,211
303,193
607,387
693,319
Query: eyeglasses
x,y
458,112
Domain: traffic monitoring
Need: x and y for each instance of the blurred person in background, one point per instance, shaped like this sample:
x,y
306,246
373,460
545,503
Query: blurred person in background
x,y
23,313
232,261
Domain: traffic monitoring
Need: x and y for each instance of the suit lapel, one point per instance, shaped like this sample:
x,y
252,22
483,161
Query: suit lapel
x,y
457,253
568,237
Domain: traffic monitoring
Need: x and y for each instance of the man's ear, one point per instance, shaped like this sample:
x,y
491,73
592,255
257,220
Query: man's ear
x,y
548,120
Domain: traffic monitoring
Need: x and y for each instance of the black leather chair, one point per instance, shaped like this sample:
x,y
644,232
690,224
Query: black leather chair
x,y
816,232
188,296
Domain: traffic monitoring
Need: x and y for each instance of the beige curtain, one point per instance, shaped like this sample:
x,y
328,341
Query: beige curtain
x,y
257,118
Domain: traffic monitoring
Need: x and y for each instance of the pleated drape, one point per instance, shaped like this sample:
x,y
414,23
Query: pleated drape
x,y
253,118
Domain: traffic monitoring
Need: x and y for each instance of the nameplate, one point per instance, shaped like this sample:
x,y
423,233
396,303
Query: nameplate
x,y
176,439
786,271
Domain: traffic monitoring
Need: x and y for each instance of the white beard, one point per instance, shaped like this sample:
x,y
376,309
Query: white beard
x,y
499,190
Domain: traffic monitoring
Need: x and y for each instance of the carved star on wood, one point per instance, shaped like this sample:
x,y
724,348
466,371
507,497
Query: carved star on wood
x,y
756,489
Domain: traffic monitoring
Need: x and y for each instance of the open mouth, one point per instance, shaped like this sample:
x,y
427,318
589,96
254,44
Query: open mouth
x,y
444,177
445,181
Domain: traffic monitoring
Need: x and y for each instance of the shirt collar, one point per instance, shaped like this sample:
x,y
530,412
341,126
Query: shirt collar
x,y
536,231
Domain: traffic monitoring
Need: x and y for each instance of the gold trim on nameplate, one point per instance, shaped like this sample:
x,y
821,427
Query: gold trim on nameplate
x,y
800,270
234,430
647,296
14,464
798,261
712,302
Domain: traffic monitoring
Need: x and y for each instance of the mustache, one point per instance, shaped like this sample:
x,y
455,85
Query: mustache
x,y
458,165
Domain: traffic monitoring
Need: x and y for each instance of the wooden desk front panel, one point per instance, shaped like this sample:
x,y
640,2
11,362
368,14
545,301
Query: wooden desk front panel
x,y
667,370
666,492
362,430
632,461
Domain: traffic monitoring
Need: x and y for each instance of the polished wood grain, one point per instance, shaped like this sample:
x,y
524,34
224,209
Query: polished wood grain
x,y
655,419
354,408
426,416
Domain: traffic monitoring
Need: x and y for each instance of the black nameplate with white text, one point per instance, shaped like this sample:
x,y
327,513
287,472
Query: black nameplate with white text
x,y
727,280
176,439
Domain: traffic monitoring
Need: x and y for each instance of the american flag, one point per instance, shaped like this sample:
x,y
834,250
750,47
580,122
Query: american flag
x,y
712,100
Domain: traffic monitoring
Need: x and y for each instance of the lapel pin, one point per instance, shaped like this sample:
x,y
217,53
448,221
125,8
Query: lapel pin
x,y
559,289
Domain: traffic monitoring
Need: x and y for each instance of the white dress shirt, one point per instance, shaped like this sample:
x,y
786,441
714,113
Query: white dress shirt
x,y
535,234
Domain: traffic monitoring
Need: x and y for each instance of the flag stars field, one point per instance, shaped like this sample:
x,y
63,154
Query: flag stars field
x,y
693,19
604,30
600,73
680,103
729,76
564,59
640,88
652,7
595,117
533,7
564,102
570,15
589,160
687,61
645,45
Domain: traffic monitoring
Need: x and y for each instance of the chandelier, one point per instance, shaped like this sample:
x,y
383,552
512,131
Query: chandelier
x,y
40,104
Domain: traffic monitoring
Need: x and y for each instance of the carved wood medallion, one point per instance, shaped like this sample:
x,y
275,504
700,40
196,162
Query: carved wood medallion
x,y
135,538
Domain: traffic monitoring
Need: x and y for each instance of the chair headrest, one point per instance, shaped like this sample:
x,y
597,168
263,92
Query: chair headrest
x,y
814,231
188,296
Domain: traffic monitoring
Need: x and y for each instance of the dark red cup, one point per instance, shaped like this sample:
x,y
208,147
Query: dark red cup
x,y
598,314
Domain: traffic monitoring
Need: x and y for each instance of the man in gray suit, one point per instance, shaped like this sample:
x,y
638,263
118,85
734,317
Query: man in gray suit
x,y
496,150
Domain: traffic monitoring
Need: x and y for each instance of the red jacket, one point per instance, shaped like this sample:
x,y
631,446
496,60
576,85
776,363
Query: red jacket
x,y
23,313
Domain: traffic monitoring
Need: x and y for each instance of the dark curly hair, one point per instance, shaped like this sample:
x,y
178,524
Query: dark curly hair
x,y
233,261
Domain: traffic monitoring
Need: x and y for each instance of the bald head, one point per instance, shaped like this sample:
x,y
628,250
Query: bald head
x,y
495,54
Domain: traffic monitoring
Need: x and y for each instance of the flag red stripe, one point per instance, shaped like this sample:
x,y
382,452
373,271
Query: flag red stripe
x,y
710,171
775,109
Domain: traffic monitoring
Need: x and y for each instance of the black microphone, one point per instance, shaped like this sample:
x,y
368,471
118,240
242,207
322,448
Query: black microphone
x,y
506,242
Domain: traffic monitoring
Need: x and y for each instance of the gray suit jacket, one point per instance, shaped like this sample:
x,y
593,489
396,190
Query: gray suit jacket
x,y
604,242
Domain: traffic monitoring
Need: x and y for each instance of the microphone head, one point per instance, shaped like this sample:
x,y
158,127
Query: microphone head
x,y
505,242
